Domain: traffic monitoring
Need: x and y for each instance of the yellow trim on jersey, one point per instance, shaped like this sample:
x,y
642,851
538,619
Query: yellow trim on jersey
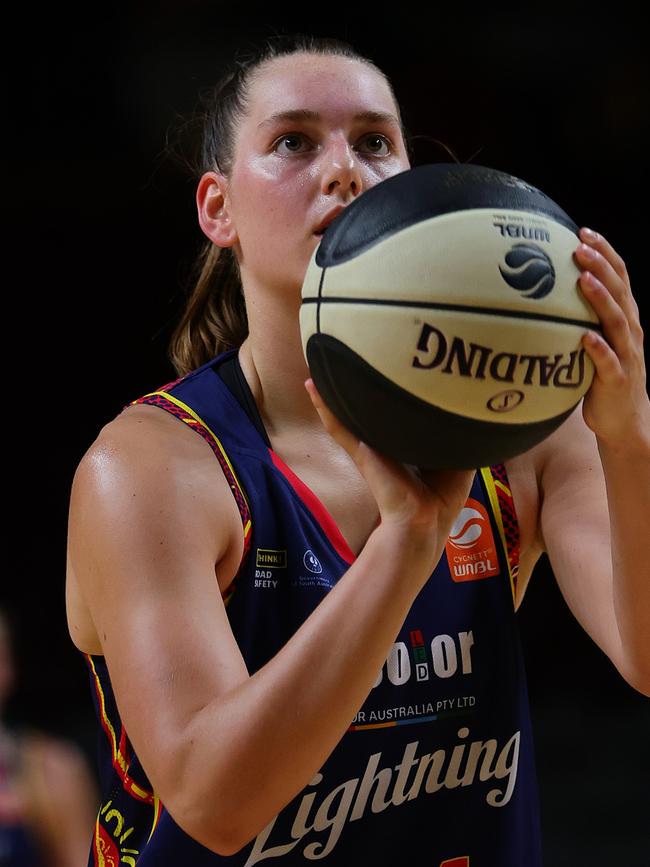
x,y
199,420
117,755
101,861
490,485
156,815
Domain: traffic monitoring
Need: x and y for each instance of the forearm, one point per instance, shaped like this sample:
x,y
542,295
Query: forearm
x,y
256,747
627,477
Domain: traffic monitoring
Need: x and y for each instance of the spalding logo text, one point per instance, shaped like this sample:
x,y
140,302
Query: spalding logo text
x,y
479,362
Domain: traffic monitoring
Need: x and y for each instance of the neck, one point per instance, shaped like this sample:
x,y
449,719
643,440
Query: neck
x,y
274,365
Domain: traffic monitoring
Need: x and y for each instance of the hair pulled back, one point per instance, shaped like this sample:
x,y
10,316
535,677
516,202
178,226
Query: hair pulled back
x,y
214,318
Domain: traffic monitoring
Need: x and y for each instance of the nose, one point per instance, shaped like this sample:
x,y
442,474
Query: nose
x,y
341,169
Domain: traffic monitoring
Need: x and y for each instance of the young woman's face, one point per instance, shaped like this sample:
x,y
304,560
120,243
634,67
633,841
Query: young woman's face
x,y
290,173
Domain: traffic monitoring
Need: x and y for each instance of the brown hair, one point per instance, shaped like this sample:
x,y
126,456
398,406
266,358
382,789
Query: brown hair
x,y
214,318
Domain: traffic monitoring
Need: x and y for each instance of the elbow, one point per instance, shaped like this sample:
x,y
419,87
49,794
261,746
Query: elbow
x,y
206,826
638,677
201,819
203,805
641,685
208,800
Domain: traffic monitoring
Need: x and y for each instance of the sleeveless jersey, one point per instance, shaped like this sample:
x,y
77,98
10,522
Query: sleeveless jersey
x,y
438,763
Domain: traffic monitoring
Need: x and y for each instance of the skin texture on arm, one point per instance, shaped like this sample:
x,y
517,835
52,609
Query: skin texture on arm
x,y
595,480
144,540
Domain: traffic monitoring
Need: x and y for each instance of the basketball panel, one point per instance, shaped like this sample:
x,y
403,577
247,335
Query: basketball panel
x,y
478,366
488,257
406,428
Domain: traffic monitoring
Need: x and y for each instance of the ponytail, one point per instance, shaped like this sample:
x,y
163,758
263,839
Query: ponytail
x,y
214,318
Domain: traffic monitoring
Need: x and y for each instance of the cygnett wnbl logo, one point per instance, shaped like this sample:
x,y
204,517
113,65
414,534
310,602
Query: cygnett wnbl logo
x,y
530,271
470,548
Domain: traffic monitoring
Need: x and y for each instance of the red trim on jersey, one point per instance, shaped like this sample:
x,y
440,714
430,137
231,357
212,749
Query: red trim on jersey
x,y
118,758
318,510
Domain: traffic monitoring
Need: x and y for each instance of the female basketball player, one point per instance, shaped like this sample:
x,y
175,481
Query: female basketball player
x,y
283,662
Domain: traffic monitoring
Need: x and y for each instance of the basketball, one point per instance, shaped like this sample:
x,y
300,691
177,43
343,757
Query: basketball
x,y
441,317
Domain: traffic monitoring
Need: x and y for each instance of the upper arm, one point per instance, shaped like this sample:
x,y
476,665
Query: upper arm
x,y
575,528
144,536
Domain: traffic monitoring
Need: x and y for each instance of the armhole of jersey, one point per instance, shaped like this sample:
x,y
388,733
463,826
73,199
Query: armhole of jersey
x,y
117,745
497,485
121,762
187,415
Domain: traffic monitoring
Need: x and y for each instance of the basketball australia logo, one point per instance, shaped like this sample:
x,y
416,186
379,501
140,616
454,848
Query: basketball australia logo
x,y
530,271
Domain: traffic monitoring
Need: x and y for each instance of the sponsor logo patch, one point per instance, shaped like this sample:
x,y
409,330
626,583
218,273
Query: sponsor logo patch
x,y
470,548
269,558
311,562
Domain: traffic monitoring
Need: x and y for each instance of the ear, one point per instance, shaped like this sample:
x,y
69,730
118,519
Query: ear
x,y
213,209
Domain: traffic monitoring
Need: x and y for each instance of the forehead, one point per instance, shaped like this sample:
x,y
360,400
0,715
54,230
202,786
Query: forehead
x,y
333,86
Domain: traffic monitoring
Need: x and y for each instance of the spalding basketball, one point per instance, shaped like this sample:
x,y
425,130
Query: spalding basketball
x,y
441,317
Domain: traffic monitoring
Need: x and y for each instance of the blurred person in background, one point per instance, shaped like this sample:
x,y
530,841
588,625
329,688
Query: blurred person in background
x,y
48,796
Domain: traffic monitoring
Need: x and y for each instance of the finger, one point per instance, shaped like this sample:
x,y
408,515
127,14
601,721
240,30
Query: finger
x,y
599,256
608,366
616,328
602,245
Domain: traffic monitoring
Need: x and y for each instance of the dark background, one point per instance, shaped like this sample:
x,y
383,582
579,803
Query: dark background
x,y
102,227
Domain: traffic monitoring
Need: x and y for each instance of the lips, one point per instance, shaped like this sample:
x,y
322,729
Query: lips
x,y
328,219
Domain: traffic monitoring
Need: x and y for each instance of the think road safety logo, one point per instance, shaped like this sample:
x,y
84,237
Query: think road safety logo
x,y
470,548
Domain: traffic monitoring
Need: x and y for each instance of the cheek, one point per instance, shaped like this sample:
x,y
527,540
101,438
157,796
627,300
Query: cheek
x,y
273,201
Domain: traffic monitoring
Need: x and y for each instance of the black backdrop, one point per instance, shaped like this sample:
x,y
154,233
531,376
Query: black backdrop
x,y
103,227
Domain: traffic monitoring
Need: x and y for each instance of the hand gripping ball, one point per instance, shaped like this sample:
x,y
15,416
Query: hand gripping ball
x,y
441,318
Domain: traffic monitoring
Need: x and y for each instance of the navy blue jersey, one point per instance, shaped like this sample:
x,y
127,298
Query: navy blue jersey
x,y
438,763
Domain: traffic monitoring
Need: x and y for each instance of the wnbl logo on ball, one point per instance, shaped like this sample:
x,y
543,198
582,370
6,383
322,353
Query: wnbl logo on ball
x,y
530,271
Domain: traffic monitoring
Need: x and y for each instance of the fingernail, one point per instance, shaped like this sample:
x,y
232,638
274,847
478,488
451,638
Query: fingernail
x,y
590,234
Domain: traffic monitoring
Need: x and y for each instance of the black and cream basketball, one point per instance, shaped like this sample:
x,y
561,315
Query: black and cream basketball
x,y
441,316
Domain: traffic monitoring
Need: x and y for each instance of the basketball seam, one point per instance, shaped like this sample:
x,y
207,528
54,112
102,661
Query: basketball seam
x,y
461,308
319,297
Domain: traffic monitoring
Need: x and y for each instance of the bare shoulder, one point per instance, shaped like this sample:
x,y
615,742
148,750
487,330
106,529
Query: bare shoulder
x,y
147,448
147,426
147,463
149,523
523,475
571,444
568,452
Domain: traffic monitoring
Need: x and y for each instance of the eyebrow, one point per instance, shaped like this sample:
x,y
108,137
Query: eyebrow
x,y
305,114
